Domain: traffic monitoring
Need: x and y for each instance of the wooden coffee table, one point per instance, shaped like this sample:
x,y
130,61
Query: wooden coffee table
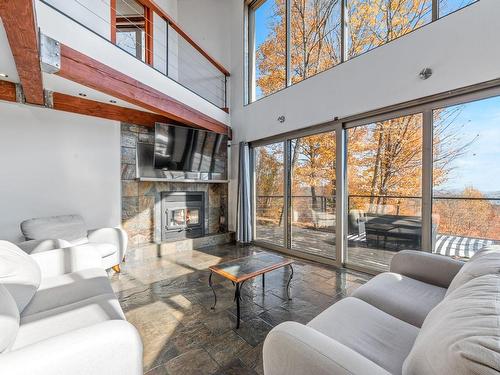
x,y
243,269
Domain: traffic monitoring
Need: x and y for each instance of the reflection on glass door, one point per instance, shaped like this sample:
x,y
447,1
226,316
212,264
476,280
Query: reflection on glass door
x,y
466,178
384,167
313,184
269,193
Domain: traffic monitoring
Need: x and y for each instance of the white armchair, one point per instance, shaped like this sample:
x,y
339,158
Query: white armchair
x,y
59,315
48,233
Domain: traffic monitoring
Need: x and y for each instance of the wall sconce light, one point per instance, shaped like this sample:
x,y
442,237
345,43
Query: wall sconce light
x,y
425,73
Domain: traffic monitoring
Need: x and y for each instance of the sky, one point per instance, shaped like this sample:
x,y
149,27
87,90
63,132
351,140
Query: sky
x,y
480,166
263,16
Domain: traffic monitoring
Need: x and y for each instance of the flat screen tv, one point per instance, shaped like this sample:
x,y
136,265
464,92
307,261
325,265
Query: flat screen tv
x,y
179,148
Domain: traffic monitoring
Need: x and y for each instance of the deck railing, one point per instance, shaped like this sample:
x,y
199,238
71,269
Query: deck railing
x,y
470,217
147,32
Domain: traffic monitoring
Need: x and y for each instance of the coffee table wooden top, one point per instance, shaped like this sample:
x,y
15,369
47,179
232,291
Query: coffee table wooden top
x,y
242,269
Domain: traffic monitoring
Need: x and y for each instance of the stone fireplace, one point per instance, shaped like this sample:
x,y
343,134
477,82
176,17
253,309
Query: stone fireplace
x,y
144,203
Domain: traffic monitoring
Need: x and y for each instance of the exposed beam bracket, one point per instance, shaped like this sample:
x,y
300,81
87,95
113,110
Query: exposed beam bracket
x,y
20,97
50,54
49,98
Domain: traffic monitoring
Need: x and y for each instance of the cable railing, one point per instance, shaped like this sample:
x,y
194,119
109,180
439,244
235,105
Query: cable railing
x,y
143,30
460,217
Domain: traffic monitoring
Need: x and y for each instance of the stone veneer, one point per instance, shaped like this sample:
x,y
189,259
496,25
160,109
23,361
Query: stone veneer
x,y
138,197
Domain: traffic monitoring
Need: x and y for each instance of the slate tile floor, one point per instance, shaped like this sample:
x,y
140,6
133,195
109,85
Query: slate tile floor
x,y
168,300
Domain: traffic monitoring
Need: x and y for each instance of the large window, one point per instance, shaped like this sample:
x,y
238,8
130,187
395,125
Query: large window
x,y
373,23
384,195
291,40
449,6
466,177
268,48
314,37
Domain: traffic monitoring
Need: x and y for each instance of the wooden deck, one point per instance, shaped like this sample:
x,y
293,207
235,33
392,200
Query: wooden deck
x,y
322,243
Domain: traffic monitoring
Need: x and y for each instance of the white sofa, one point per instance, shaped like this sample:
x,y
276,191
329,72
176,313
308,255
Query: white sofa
x,y
429,315
59,315
47,233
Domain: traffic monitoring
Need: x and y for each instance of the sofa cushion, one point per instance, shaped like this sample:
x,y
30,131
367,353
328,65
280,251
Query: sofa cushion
x,y
39,246
9,319
461,335
69,288
484,262
66,227
369,331
19,273
105,249
63,319
400,296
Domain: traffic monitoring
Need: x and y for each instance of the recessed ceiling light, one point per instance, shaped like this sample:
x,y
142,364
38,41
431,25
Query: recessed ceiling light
x,y
4,75
112,101
82,94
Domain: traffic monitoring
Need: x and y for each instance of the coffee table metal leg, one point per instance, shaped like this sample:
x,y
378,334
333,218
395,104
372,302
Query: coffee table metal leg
x,y
237,298
288,284
213,290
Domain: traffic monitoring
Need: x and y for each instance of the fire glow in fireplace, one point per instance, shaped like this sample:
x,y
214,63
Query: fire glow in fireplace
x,y
183,214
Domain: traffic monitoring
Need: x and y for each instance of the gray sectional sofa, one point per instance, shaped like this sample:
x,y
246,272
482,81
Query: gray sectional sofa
x,y
429,315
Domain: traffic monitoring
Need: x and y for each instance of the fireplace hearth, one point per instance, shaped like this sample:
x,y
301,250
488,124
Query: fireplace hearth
x,y
183,214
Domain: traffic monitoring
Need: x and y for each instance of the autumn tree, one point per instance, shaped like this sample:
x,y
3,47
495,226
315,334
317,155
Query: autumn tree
x,y
470,215
315,35
269,182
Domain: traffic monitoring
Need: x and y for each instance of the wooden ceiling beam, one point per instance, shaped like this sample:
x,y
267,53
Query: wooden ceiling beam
x,y
19,21
68,103
7,91
82,106
86,71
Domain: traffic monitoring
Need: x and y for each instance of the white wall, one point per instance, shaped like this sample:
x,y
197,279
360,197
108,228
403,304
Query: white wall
x,y
55,163
462,49
208,22
94,14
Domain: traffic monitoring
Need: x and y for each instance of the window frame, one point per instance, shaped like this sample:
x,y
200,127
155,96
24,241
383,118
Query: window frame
x,y
250,6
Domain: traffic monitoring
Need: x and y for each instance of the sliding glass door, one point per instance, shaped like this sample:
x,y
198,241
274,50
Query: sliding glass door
x,y
466,178
384,202
313,181
295,194
269,193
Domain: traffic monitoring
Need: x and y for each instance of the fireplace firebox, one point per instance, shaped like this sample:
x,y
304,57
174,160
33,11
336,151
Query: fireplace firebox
x,y
183,215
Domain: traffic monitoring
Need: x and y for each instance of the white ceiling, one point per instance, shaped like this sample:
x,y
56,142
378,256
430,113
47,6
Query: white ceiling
x,y
50,81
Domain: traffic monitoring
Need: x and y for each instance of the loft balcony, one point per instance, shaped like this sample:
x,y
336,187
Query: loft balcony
x,y
124,52
144,31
